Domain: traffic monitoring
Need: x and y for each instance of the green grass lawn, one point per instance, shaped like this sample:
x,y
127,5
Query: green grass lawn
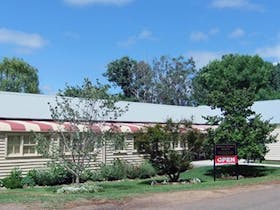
x,y
270,162
47,197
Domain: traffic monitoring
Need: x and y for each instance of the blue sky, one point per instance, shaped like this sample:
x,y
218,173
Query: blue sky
x,y
68,40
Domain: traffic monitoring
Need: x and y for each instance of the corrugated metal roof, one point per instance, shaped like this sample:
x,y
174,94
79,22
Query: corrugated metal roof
x,y
36,107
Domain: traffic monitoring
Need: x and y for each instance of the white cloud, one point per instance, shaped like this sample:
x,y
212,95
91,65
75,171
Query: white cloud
x,y
202,58
24,41
237,33
202,36
98,2
270,52
198,36
237,4
213,31
145,34
142,35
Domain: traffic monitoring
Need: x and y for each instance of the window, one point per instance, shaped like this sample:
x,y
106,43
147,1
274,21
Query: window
x,y
14,145
21,145
126,145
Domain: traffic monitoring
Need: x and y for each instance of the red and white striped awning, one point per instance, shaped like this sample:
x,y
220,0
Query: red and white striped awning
x,y
47,126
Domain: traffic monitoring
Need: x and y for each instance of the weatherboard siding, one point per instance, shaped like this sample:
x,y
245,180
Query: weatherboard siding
x,y
274,148
28,163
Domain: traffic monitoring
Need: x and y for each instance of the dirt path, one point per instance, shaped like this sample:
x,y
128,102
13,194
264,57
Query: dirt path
x,y
170,200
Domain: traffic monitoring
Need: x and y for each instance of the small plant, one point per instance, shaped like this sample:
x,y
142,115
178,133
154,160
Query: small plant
x,y
146,170
132,171
54,175
28,181
96,176
13,181
87,187
116,171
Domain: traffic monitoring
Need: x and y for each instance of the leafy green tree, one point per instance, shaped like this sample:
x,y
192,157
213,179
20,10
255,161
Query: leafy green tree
x,y
78,140
240,71
172,79
161,143
18,76
232,85
98,90
120,73
166,81
272,91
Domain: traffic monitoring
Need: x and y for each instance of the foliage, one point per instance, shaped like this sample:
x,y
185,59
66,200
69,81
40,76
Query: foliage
x,y
143,171
161,143
18,76
165,81
100,91
88,187
78,139
232,84
172,79
120,72
14,180
232,75
116,171
28,181
53,175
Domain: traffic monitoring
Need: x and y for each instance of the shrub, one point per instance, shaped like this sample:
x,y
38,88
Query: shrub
x,y
13,181
59,175
132,171
96,176
146,170
54,175
116,171
88,187
28,181
41,177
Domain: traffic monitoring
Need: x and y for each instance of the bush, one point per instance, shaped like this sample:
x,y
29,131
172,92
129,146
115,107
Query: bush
x,y
41,177
54,175
59,175
28,181
143,171
13,181
87,187
116,171
132,171
146,170
96,176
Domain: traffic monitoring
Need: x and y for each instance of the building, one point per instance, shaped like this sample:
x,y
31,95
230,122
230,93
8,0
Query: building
x,y
21,114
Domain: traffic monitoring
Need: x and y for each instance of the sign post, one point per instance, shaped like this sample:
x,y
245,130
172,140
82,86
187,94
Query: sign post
x,y
225,154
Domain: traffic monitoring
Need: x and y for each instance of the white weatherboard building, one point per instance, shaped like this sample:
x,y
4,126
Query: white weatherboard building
x,y
21,114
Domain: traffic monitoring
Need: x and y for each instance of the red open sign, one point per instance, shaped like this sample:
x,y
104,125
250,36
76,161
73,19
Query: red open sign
x,y
226,159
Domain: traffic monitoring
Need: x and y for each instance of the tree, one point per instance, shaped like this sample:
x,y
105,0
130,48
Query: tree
x,y
78,139
18,76
161,142
172,79
241,71
99,90
166,81
232,85
120,72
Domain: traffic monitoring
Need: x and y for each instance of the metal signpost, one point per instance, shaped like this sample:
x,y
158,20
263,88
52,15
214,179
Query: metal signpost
x,y
225,154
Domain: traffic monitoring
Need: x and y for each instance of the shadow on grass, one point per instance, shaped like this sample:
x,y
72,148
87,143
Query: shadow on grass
x,y
243,170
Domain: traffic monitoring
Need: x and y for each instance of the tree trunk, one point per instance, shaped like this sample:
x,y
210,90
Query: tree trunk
x,y
77,179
